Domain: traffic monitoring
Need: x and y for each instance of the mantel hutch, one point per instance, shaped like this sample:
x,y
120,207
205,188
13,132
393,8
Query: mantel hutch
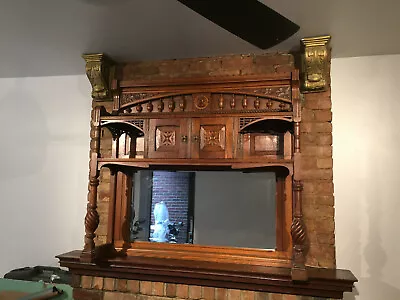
x,y
244,122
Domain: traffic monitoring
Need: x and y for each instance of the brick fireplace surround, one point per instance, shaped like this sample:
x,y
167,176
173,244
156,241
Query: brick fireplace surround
x,y
318,199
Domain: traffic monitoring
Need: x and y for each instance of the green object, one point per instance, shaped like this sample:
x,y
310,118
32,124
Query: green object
x,y
34,287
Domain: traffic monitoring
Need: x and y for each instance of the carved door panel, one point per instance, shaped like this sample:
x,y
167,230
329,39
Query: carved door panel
x,y
168,138
212,138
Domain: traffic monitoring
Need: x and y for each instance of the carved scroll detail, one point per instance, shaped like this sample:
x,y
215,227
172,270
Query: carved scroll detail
x,y
298,233
315,63
283,92
133,97
92,216
98,68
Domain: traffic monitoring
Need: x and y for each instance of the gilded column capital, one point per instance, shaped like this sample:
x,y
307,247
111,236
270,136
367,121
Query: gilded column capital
x,y
315,59
99,70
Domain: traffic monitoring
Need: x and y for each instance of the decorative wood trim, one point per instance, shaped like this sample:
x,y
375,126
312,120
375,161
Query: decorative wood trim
x,y
329,283
282,78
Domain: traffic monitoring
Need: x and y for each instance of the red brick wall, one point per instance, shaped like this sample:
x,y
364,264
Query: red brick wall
x,y
98,288
316,148
173,189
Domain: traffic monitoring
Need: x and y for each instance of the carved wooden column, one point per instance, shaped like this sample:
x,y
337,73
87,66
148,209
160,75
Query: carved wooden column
x,y
92,216
298,232
99,70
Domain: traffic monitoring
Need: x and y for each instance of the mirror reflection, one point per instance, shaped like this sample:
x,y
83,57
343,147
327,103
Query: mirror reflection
x,y
218,208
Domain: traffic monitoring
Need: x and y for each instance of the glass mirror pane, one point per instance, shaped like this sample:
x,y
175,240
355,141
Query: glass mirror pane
x,y
217,208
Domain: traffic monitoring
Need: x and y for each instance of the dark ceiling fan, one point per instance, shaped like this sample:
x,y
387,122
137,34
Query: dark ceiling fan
x,y
250,20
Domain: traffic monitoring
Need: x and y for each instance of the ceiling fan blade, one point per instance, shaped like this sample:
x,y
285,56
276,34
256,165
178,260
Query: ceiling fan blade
x,y
250,20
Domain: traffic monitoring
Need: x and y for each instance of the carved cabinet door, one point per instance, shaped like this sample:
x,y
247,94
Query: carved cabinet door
x,y
168,138
212,138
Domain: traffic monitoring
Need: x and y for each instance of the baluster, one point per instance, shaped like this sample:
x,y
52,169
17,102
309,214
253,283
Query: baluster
x,y
233,102
257,103
269,104
139,108
244,102
92,216
221,103
171,105
182,103
160,106
296,137
150,106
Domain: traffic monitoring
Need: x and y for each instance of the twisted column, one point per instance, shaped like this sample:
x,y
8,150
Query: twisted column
x,y
298,233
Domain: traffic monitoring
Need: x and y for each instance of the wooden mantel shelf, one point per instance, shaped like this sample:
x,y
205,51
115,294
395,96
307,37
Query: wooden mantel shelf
x,y
329,283
205,163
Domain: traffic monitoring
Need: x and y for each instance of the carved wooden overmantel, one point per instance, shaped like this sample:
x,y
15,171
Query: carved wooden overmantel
x,y
205,122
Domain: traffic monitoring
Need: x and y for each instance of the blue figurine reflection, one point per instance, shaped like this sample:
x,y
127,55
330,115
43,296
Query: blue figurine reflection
x,y
161,220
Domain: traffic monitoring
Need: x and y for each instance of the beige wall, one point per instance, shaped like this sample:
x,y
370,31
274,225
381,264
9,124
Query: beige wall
x,y
366,143
44,131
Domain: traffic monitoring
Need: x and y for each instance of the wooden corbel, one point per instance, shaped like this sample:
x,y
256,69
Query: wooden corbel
x,y
315,59
99,70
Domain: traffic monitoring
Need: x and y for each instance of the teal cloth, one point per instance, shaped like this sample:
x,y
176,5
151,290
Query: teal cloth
x,y
34,287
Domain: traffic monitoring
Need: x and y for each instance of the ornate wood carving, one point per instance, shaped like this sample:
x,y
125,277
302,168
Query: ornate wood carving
x,y
298,232
315,63
282,92
98,70
165,138
212,137
136,97
201,101
92,216
209,103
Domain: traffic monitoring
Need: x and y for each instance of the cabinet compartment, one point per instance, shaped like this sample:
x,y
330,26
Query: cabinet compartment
x,y
168,138
212,138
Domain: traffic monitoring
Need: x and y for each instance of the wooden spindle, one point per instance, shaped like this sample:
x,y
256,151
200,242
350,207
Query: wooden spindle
x,y
160,106
244,102
221,102
257,103
182,104
149,106
233,102
171,105
296,137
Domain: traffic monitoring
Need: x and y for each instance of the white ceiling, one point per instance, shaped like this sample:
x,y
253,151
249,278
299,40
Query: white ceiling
x,y
47,37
